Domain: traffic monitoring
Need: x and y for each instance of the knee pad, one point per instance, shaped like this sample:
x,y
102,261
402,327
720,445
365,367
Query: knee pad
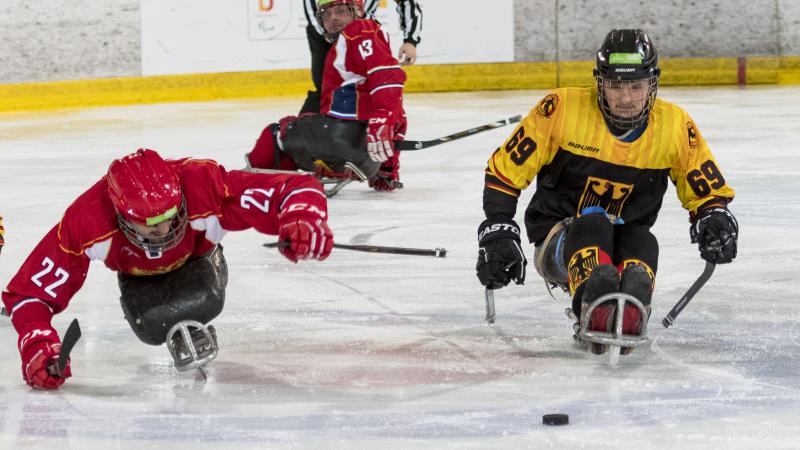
x,y
194,291
549,256
267,153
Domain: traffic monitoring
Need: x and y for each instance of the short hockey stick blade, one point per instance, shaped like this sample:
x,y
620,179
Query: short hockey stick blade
x,y
70,338
687,297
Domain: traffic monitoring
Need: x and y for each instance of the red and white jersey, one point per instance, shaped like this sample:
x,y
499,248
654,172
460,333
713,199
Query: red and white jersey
x,y
216,202
361,75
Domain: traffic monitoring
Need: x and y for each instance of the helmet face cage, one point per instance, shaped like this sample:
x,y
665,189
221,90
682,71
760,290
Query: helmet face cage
x,y
160,244
355,6
648,97
626,71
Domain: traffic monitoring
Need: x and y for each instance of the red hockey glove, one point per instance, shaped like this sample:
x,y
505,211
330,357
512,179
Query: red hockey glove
x,y
306,235
380,136
388,176
40,346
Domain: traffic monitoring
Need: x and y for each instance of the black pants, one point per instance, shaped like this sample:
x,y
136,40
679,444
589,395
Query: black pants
x,y
195,291
571,254
319,51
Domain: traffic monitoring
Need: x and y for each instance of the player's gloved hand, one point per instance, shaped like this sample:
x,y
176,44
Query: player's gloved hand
x,y
39,347
306,235
500,257
388,176
380,135
715,231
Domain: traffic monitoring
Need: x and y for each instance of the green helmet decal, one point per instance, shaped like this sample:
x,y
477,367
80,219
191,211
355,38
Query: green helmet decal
x,y
625,58
168,214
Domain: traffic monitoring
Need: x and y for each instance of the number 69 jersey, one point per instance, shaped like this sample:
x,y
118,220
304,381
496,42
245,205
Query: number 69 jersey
x,y
578,163
216,202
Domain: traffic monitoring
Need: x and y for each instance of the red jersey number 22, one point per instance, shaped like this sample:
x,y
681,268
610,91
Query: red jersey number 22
x,y
61,277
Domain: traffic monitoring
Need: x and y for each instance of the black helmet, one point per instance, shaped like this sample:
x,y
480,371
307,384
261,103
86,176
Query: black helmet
x,y
625,56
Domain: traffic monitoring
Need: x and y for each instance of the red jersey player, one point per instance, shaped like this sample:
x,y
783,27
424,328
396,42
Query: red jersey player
x,y
361,110
158,223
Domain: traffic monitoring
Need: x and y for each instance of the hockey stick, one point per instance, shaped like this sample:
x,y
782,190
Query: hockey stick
x,y
687,297
437,252
70,338
419,145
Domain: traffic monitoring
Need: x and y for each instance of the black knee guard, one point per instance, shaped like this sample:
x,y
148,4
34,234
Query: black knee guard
x,y
334,141
588,243
635,243
194,291
636,256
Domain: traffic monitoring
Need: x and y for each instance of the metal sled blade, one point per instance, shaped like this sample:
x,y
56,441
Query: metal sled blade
x,y
614,338
351,173
192,345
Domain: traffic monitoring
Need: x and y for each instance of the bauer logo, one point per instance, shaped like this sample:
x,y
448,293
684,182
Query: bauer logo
x,y
692,134
547,106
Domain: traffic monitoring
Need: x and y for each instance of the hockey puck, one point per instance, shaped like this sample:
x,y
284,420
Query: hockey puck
x,y
555,419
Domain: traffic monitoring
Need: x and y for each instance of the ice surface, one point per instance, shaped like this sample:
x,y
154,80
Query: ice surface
x,y
365,350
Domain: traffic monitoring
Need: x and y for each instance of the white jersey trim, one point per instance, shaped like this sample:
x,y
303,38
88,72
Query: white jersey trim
x,y
99,251
379,68
298,191
339,64
28,301
385,86
213,230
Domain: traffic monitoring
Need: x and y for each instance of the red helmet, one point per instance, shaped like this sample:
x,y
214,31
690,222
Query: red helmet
x,y
146,191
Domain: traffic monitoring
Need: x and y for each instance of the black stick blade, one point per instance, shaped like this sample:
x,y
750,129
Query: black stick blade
x,y
70,338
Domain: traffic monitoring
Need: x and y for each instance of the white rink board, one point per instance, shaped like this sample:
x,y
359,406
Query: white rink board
x,y
204,36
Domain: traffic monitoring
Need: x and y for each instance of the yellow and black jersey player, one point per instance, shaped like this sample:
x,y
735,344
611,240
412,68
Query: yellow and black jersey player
x,y
602,158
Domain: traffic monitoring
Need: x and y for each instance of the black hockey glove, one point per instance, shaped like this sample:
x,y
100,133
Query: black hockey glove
x,y
500,257
715,232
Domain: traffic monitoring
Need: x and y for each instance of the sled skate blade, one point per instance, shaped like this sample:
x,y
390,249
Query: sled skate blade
x,y
613,355
339,180
192,345
615,338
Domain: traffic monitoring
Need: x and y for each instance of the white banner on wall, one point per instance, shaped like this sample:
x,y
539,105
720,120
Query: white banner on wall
x,y
203,36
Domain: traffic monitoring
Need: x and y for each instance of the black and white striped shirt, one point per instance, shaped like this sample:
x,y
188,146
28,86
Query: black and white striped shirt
x,y
410,12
